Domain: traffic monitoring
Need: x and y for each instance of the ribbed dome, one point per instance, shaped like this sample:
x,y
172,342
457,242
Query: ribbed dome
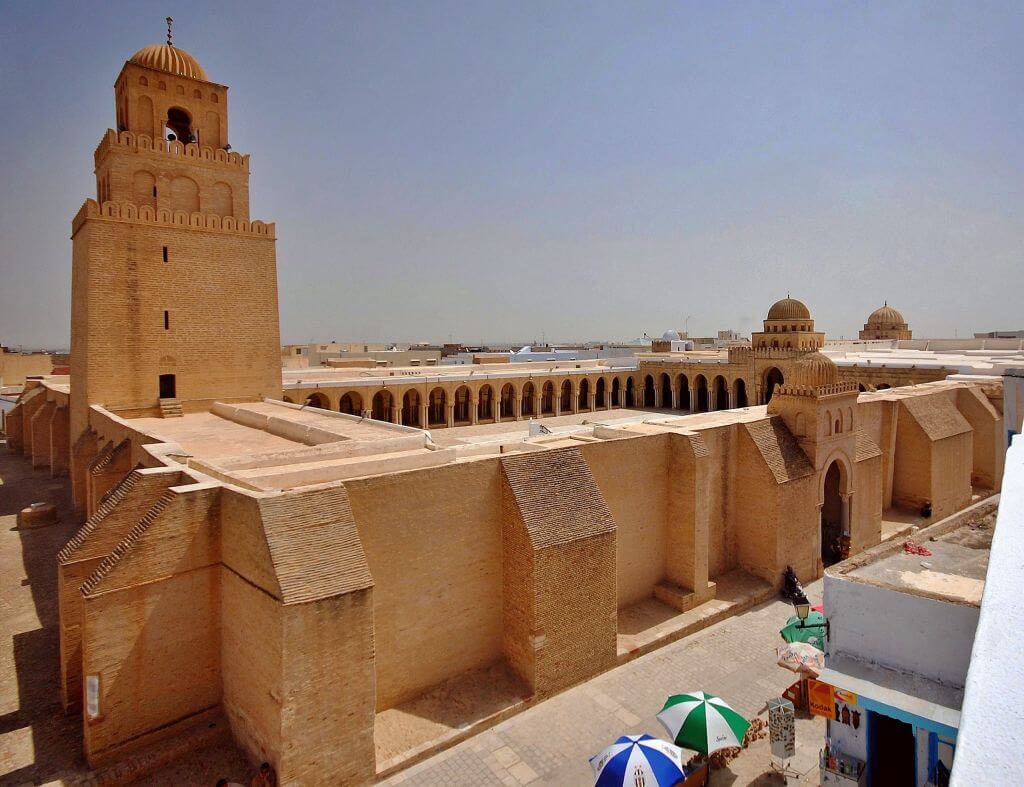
x,y
164,57
789,309
885,316
814,369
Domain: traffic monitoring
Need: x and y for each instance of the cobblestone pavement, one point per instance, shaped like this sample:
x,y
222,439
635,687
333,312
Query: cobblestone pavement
x,y
550,743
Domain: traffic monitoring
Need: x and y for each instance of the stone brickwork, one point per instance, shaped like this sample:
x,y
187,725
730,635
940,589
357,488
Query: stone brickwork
x,y
558,529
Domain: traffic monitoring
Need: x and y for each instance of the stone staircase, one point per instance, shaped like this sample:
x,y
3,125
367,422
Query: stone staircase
x,y
170,408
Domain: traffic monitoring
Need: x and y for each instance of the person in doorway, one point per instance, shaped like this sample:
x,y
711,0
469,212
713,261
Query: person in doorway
x,y
265,778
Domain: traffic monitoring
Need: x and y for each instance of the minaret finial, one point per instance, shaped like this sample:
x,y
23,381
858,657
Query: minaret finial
x,y
787,294
170,35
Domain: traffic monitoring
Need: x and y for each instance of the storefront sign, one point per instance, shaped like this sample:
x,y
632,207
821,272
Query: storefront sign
x,y
821,698
782,728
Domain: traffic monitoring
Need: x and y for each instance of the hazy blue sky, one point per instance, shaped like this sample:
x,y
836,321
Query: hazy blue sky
x,y
580,170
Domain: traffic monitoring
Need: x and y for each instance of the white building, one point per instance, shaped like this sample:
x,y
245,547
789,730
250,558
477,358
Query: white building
x,y
901,629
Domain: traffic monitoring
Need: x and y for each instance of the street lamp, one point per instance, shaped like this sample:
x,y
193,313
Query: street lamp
x,y
803,609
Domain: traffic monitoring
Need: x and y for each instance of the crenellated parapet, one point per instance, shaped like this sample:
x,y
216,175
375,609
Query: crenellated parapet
x,y
818,391
127,211
143,143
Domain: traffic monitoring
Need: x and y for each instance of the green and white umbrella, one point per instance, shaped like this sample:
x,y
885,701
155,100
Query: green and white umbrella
x,y
702,722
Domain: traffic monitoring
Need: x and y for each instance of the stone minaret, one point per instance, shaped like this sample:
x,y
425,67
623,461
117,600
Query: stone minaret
x,y
174,289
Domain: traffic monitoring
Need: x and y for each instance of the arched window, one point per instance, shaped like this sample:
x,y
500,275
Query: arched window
x,y
179,123
197,93
143,81
828,422
162,85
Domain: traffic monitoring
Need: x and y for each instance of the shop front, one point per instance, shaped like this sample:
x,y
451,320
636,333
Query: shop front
x,y
884,729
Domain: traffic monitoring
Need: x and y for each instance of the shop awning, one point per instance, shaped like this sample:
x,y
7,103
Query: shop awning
x,y
901,695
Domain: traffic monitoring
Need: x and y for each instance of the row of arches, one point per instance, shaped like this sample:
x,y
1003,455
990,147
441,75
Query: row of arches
x,y
698,395
180,90
490,402
182,193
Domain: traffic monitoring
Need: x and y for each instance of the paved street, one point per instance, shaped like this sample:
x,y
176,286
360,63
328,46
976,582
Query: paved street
x,y
550,743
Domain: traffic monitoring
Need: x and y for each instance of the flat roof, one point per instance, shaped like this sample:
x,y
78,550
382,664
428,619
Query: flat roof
x,y
955,571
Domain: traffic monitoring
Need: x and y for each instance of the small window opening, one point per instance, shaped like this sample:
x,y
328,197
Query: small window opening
x,y
167,320
165,260
154,191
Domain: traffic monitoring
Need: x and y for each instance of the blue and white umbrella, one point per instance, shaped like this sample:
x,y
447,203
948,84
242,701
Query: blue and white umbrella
x,y
638,761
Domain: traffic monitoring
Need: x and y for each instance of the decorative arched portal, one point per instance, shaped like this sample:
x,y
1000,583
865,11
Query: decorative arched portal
x,y
721,390
648,391
526,407
508,401
436,402
583,397
701,384
351,403
616,392
565,403
547,398
683,384
834,513
411,408
630,392
463,401
772,379
599,393
739,393
485,404
380,407
317,399
666,390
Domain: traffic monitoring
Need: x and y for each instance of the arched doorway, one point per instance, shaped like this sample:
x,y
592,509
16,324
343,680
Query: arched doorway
x,y
436,402
317,399
666,390
861,388
772,379
351,403
701,384
463,401
616,392
527,403
630,393
547,398
583,397
721,393
739,393
485,404
599,393
648,391
565,405
411,408
683,384
832,515
380,408
508,401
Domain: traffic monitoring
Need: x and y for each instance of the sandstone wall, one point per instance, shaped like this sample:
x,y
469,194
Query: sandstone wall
x,y
433,542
